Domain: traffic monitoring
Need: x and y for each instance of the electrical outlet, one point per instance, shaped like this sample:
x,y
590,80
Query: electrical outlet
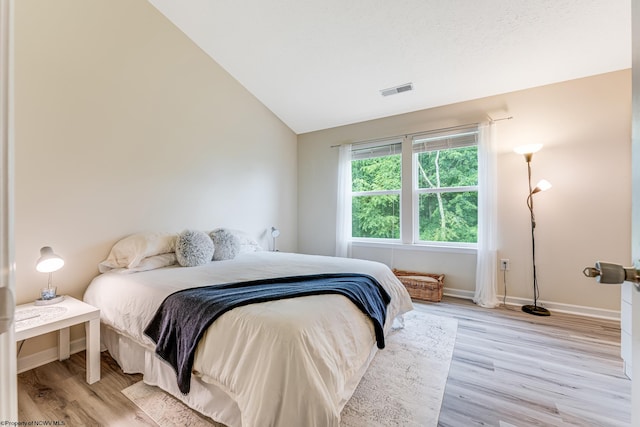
x,y
504,264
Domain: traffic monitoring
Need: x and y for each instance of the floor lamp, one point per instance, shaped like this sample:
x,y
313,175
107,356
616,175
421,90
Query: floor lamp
x,y
542,185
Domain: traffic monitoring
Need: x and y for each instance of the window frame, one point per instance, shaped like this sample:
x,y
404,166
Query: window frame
x,y
409,192
392,143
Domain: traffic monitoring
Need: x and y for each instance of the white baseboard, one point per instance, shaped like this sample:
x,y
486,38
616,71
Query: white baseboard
x,y
458,293
581,310
34,360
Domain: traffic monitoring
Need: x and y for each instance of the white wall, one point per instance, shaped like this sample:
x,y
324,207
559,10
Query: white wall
x,y
124,125
585,127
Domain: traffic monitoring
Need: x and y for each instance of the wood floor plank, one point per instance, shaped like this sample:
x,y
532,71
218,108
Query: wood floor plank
x,y
508,369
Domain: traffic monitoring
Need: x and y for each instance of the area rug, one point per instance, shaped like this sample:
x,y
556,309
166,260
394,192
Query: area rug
x,y
404,385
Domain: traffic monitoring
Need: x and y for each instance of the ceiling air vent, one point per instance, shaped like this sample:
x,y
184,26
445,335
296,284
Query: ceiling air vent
x,y
398,89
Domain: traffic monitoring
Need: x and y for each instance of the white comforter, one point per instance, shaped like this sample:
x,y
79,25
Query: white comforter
x,y
287,362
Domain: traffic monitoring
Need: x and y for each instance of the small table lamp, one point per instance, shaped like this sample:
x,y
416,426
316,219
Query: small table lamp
x,y
274,234
48,263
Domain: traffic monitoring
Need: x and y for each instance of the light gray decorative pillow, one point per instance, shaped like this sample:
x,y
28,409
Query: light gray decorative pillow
x,y
193,248
226,243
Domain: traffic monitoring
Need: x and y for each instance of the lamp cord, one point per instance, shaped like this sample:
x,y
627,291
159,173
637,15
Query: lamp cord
x,y
504,279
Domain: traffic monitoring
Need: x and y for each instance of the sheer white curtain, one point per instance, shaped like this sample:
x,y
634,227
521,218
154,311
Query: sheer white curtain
x,y
486,266
343,211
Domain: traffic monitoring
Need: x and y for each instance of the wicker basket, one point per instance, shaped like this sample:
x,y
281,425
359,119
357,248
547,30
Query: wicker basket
x,y
422,286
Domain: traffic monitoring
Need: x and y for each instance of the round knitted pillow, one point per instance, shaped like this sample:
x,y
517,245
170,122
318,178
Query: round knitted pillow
x,y
226,243
193,248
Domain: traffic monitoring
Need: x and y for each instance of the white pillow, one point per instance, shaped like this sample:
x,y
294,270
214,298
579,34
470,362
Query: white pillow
x,y
247,243
131,250
193,248
149,263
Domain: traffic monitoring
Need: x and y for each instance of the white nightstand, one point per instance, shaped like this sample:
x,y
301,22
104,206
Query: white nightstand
x,y
32,320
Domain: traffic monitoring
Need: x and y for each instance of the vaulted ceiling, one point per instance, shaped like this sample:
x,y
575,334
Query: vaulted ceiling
x,y
318,64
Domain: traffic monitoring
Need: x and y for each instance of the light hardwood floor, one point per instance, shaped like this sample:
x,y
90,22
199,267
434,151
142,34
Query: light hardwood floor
x,y
508,369
513,368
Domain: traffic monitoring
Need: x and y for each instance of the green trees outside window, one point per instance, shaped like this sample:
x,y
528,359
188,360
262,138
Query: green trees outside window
x,y
376,199
445,189
448,195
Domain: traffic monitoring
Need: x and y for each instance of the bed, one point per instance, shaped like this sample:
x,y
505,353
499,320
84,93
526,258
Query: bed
x,y
278,363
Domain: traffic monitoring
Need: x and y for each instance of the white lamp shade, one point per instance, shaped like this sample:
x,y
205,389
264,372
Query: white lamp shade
x,y
543,185
528,149
274,232
48,261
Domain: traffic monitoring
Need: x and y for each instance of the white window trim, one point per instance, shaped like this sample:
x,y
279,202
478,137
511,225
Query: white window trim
x,y
447,189
375,193
458,248
409,227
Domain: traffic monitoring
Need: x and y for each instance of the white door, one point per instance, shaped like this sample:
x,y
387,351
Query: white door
x,y
8,390
635,210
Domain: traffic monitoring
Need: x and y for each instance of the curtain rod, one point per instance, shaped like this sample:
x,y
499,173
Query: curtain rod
x,y
367,141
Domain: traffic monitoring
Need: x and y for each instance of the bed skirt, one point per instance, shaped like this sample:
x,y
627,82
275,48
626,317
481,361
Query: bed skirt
x,y
208,399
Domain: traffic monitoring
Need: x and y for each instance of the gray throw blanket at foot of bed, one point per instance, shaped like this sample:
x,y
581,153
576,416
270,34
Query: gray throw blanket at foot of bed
x,y
184,316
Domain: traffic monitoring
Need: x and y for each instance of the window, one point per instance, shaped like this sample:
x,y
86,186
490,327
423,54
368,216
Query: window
x,y
443,183
376,176
446,187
